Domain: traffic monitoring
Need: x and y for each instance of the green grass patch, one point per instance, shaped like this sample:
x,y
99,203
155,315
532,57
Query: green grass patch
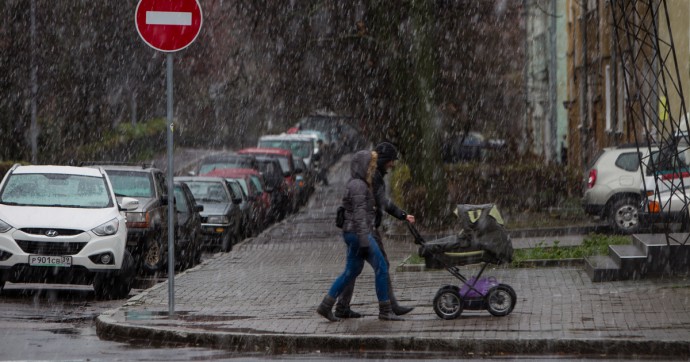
x,y
593,244
414,259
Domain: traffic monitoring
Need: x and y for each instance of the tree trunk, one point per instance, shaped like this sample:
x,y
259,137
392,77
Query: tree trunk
x,y
413,78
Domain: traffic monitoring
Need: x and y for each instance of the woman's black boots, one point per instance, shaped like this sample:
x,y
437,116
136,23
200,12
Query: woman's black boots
x,y
397,308
345,312
325,309
386,313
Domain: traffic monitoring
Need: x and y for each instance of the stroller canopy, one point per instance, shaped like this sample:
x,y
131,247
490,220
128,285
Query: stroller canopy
x,y
482,229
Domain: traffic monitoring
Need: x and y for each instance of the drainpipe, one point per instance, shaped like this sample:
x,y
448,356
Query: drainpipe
x,y
584,116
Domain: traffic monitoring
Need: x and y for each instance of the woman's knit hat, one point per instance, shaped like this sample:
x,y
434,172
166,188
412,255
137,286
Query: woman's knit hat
x,y
386,152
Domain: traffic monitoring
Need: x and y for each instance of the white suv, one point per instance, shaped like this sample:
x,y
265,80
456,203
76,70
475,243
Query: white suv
x,y
612,186
62,224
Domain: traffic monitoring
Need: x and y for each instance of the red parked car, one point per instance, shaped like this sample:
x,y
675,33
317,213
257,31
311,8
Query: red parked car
x,y
253,185
289,203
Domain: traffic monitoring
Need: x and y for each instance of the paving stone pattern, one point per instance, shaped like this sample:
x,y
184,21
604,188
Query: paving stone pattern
x,y
270,286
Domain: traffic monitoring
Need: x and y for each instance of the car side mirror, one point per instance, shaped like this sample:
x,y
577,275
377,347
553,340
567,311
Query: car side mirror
x,y
128,204
236,200
164,200
199,208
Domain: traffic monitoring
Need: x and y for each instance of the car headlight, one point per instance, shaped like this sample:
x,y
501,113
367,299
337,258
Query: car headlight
x,y
108,228
4,227
218,219
138,219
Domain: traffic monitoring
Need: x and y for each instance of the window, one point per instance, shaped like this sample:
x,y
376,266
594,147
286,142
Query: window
x,y
257,184
180,200
237,190
131,183
628,161
208,191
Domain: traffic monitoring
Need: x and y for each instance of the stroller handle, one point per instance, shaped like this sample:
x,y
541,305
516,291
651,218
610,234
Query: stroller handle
x,y
418,239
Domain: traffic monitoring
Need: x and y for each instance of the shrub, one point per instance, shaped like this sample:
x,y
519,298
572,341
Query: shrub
x,y
527,186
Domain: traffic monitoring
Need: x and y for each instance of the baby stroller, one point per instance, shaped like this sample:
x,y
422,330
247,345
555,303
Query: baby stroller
x,y
482,240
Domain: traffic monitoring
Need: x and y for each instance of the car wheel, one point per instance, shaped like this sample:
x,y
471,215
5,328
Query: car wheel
x,y
623,216
116,285
154,256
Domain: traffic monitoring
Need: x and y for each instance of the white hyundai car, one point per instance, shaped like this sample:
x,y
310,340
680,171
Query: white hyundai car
x,y
62,224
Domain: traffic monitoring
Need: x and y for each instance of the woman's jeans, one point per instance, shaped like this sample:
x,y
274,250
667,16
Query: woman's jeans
x,y
354,265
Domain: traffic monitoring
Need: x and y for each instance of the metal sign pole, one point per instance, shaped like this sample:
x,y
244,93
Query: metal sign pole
x,y
171,191
169,26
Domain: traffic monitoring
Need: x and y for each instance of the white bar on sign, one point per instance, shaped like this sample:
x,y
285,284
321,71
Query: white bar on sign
x,y
168,18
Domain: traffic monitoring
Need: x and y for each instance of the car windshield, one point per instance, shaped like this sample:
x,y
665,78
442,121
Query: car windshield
x,y
56,190
208,166
208,191
283,161
300,148
131,183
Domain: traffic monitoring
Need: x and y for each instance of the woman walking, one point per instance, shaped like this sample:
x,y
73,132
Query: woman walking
x,y
357,232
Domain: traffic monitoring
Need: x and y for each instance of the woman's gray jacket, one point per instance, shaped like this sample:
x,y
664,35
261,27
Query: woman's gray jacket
x,y
359,200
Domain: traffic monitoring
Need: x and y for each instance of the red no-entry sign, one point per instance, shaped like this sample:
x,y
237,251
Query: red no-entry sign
x,y
168,25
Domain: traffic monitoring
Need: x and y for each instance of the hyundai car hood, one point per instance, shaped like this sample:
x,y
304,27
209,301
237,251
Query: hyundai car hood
x,y
55,217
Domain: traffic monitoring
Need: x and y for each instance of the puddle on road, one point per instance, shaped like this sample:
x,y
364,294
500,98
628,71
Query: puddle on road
x,y
64,331
138,315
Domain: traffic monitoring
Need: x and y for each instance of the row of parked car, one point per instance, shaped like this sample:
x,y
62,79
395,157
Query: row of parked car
x,y
638,188
105,223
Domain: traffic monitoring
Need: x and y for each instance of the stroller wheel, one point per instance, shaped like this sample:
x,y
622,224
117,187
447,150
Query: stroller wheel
x,y
500,300
447,302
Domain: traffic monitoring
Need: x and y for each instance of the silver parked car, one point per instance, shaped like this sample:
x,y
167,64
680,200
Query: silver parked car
x,y
612,187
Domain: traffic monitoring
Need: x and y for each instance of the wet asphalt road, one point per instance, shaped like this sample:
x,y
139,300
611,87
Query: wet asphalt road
x,y
56,322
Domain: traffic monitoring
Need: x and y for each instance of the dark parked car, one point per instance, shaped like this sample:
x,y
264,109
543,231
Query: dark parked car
x,y
245,206
471,147
221,218
188,232
253,186
147,226
276,186
285,200
463,147
304,182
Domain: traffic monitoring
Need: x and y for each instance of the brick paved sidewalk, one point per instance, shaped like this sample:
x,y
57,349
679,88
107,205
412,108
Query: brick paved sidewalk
x,y
262,297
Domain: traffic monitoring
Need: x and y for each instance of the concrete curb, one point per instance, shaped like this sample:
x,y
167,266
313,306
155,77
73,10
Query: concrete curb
x,y
276,344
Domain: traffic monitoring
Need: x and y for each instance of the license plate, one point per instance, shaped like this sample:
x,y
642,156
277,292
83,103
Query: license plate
x,y
50,260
